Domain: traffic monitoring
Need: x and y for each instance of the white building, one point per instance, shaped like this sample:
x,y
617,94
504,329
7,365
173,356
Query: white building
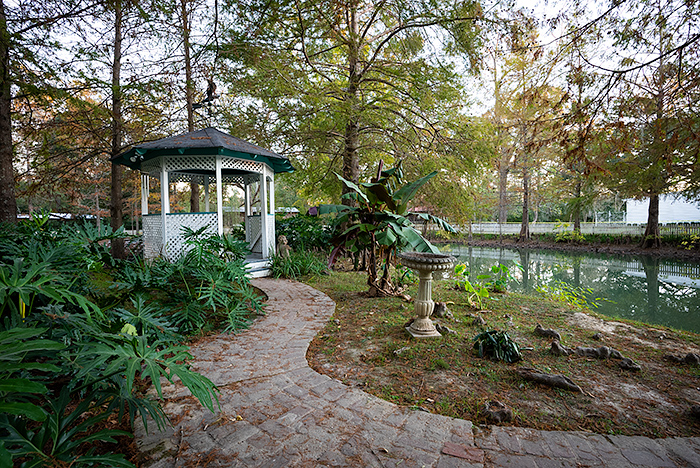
x,y
672,209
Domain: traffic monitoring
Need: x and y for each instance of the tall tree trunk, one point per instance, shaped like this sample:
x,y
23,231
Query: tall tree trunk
x,y
503,170
351,158
503,162
8,203
115,207
577,209
525,224
189,94
652,234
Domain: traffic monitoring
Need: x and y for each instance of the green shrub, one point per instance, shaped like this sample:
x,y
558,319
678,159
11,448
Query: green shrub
x,y
80,332
475,292
305,232
298,264
563,234
500,277
403,276
691,242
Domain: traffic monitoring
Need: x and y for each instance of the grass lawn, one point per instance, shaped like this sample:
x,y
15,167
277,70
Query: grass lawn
x,y
365,345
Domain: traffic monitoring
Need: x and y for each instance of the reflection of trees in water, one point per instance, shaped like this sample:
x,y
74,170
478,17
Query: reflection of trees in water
x,y
651,272
644,297
525,263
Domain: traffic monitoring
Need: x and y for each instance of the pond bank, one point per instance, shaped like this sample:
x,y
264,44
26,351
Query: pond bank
x,y
651,289
665,251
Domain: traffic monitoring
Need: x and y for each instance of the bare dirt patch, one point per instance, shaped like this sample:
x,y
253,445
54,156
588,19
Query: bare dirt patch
x,y
365,345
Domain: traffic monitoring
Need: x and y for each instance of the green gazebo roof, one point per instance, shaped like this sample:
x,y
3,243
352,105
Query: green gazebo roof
x,y
207,142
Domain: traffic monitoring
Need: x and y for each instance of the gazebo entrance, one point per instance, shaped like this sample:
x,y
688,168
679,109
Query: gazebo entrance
x,y
207,157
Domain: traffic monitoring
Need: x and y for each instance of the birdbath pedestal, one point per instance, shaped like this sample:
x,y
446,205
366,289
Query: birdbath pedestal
x,y
425,264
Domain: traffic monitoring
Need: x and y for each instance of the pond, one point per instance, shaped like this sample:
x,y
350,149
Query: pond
x,y
646,289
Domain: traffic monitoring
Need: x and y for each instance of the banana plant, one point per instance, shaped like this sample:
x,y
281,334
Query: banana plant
x,y
379,223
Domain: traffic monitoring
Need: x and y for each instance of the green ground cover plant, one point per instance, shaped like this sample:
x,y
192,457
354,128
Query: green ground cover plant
x,y
83,337
497,345
299,264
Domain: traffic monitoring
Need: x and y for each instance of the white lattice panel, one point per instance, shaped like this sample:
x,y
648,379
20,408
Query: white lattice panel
x,y
234,179
175,177
176,221
152,167
251,179
241,165
253,229
152,236
179,163
207,163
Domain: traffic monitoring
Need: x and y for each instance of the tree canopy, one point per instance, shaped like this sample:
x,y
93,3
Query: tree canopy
x,y
522,117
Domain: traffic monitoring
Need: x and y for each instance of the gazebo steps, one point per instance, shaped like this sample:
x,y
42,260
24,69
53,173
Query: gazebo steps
x,y
258,268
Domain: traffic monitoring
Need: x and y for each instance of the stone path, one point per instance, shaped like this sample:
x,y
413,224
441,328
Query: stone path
x,y
278,412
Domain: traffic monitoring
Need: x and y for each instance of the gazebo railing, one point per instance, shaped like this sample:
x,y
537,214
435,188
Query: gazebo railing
x,y
253,232
152,236
175,246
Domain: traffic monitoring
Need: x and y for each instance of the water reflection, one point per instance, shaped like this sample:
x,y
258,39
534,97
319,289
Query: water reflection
x,y
648,289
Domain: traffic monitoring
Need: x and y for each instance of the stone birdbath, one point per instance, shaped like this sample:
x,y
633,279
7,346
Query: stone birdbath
x,y
425,264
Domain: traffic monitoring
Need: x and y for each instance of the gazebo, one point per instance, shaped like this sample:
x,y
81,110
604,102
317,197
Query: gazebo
x,y
205,157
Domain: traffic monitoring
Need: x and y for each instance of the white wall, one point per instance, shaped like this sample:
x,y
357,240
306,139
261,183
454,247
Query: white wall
x,y
671,210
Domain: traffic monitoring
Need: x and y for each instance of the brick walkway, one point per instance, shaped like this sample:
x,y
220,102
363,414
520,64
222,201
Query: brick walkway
x,y
278,412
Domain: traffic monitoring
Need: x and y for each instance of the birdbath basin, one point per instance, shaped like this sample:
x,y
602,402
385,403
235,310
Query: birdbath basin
x,y
425,264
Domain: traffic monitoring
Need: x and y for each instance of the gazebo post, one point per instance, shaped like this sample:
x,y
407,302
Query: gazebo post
x,y
164,202
246,208
144,195
219,197
272,242
246,198
263,215
206,194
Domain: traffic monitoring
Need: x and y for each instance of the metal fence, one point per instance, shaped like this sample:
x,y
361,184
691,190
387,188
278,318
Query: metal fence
x,y
610,217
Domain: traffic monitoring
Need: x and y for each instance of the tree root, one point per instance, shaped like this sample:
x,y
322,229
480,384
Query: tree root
x,y
547,332
551,380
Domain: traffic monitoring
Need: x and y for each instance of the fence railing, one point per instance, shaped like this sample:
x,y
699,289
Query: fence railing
x,y
679,229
